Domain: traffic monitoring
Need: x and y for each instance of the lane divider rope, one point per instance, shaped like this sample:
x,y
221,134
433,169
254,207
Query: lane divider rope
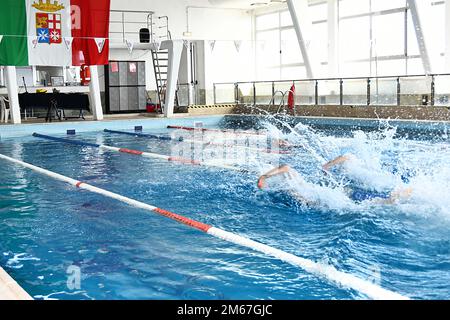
x,y
217,130
328,272
145,135
139,153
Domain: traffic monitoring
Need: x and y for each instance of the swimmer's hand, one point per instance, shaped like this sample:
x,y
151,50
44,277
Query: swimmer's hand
x,y
262,182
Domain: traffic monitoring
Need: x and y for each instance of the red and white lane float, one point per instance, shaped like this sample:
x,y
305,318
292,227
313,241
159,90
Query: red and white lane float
x,y
203,143
256,133
327,272
139,153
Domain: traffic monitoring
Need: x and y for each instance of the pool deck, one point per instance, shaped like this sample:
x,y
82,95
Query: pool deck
x,y
115,122
10,289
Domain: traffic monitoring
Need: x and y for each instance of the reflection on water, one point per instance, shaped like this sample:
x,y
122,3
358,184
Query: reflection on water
x,y
124,253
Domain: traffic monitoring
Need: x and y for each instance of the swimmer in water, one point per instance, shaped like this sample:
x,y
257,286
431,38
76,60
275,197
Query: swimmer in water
x,y
356,195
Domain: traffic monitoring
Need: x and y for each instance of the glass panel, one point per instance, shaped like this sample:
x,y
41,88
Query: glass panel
x,y
320,42
225,93
73,75
415,91
268,74
389,67
355,69
285,19
183,95
293,73
442,90
415,66
290,49
388,34
355,92
246,93
263,93
268,21
353,7
434,26
305,92
282,90
413,46
27,73
383,91
354,35
270,40
2,77
329,92
379,5
318,12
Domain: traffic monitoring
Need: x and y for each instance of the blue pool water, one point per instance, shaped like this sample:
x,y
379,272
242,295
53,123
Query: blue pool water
x,y
126,253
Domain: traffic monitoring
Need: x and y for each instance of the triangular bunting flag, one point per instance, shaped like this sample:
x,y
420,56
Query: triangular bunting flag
x,y
308,44
68,42
186,44
130,45
100,42
238,45
1,38
212,44
34,41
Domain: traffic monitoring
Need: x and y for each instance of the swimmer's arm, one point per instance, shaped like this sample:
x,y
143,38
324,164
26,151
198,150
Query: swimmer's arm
x,y
338,161
272,173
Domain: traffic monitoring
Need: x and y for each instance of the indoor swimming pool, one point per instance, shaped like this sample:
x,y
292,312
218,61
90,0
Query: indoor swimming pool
x,y
49,228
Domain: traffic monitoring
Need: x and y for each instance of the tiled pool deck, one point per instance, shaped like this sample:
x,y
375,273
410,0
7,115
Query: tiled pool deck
x,y
10,289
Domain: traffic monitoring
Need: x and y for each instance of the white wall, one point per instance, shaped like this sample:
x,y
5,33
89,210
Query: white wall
x,y
211,23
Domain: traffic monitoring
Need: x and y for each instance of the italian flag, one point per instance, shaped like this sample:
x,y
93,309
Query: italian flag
x,y
54,32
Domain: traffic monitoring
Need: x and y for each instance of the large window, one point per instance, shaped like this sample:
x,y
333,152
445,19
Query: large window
x,y
373,35
281,57
375,38
278,53
382,34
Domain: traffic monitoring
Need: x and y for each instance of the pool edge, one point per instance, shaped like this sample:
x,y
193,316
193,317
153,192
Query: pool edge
x,y
10,289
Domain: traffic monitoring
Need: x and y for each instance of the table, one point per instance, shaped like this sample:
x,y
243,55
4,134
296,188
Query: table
x,y
57,102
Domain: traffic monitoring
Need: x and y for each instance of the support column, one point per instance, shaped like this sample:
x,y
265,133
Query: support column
x,y
175,48
333,38
303,25
94,93
447,36
420,36
13,95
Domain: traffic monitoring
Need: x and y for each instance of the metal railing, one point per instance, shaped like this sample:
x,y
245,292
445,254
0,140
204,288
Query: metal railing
x,y
404,90
127,24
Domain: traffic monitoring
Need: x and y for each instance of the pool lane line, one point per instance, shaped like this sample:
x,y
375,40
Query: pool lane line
x,y
327,272
283,143
140,153
144,135
217,130
182,140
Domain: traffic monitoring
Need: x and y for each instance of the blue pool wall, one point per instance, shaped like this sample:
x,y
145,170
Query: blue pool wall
x,y
20,130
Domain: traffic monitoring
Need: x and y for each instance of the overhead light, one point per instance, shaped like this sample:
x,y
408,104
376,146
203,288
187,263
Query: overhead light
x,y
187,34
